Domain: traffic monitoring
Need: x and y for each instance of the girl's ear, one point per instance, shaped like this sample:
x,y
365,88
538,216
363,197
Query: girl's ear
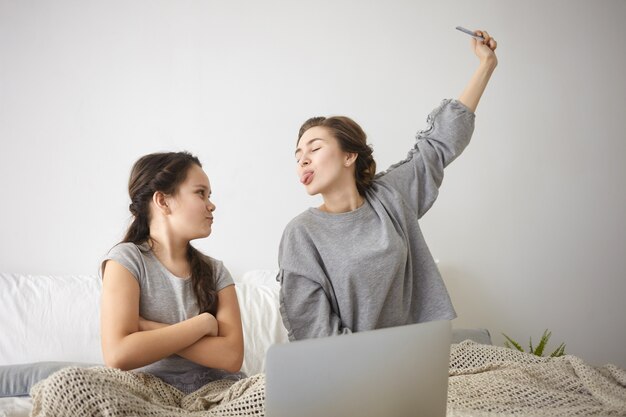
x,y
160,200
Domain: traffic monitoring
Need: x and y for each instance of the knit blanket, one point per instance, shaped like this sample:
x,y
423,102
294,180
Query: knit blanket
x,y
107,392
485,381
488,381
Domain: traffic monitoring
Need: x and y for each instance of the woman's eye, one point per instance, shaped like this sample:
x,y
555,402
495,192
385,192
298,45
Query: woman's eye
x,y
316,149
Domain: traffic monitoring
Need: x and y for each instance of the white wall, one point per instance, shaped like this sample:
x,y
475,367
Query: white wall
x,y
529,228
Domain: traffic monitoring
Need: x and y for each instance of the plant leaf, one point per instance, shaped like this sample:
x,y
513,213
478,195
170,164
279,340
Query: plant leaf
x,y
560,351
542,343
514,343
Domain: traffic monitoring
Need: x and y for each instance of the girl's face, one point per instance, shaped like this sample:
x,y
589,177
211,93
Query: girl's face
x,y
321,164
191,208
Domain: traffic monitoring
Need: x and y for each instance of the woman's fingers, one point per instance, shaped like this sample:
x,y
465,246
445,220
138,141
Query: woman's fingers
x,y
486,36
488,40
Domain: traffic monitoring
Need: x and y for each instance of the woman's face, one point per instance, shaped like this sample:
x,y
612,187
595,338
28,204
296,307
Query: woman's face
x,y
321,164
191,208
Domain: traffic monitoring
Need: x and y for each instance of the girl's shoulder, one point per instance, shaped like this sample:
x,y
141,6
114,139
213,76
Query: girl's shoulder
x,y
129,249
130,256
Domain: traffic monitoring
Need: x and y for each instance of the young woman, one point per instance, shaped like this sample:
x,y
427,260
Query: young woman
x,y
359,261
168,312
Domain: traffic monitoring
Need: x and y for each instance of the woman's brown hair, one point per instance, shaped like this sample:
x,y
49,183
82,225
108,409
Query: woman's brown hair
x,y
352,139
165,172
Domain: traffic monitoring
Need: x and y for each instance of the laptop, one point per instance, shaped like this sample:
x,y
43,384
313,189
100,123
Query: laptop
x,y
393,372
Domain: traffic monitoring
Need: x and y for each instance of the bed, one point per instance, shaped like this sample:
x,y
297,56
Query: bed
x,y
51,322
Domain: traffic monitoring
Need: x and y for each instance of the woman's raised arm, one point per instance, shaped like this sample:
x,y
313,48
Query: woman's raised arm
x,y
484,50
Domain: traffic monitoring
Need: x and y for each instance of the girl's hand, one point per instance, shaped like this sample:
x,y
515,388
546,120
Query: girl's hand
x,y
484,50
212,327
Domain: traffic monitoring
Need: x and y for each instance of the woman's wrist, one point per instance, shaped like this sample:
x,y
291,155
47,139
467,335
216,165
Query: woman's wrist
x,y
488,64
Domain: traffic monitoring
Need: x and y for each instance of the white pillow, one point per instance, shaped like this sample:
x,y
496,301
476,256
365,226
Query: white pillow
x,y
265,277
257,292
49,318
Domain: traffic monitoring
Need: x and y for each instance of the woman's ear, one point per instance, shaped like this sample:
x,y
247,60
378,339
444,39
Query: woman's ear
x,y
160,201
350,159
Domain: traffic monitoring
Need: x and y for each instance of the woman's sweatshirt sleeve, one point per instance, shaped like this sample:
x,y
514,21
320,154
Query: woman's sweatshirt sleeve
x,y
305,309
307,305
418,177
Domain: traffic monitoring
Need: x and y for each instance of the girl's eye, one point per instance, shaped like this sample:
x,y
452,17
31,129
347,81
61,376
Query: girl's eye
x,y
316,149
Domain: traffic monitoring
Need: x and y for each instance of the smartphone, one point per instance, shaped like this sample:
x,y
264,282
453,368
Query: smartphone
x,y
469,32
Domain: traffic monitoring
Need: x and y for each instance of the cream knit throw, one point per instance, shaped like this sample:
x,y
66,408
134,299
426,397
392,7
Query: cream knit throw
x,y
485,381
100,392
488,381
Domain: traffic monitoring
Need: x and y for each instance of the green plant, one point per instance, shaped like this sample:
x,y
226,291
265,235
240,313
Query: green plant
x,y
559,351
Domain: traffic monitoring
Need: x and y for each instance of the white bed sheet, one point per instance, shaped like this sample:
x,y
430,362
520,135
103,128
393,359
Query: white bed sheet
x,y
15,406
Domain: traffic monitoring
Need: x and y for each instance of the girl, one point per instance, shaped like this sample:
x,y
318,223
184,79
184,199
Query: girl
x,y
166,308
168,312
359,261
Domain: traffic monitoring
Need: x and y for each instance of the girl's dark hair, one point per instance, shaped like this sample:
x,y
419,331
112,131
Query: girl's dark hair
x,y
165,172
352,139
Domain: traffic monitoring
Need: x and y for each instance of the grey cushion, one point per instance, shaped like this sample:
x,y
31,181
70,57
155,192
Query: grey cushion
x,y
477,335
16,380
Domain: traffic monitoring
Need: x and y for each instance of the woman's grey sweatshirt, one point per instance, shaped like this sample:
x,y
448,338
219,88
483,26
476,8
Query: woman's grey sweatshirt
x,y
370,268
